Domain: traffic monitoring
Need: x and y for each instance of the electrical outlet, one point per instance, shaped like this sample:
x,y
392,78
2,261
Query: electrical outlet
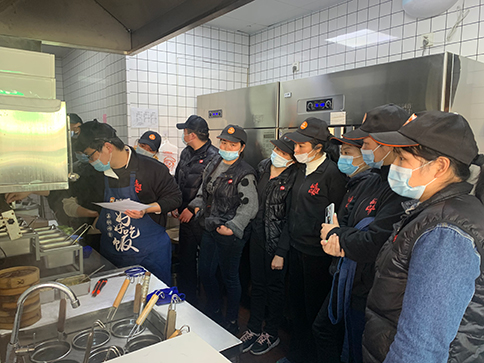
x,y
427,40
295,67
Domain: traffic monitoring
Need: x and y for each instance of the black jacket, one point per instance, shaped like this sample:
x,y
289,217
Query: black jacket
x,y
452,205
221,206
310,197
274,198
372,197
153,184
190,168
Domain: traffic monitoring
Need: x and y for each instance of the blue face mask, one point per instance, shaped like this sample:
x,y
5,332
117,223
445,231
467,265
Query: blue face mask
x,y
183,139
82,158
228,155
278,161
99,166
345,165
398,179
369,158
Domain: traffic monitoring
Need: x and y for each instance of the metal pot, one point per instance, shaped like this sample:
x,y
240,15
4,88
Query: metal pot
x,y
50,351
101,337
106,353
141,342
122,328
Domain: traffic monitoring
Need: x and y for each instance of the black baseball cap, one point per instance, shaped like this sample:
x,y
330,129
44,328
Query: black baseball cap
x,y
380,119
445,132
152,139
233,133
311,128
285,144
74,118
195,123
341,140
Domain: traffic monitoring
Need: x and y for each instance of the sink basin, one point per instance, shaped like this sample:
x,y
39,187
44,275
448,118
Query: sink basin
x,y
154,324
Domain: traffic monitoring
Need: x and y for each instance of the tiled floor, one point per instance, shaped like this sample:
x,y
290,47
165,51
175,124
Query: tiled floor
x,y
270,357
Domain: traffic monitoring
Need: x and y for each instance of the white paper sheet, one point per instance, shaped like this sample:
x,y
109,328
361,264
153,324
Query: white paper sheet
x,y
123,205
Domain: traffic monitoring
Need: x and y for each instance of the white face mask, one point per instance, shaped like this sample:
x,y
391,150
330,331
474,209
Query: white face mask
x,y
305,158
278,161
142,151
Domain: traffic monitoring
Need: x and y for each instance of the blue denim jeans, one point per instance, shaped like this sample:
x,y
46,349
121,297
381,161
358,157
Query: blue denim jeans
x,y
224,252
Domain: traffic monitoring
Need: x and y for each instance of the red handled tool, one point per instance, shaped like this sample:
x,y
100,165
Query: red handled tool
x,y
99,285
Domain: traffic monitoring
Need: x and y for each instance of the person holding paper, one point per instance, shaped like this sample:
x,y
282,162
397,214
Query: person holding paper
x,y
132,237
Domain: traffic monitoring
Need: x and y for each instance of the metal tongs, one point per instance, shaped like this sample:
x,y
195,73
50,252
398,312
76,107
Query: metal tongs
x,y
144,314
84,227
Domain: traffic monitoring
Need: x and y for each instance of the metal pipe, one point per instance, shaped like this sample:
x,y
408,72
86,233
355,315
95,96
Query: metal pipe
x,y
12,346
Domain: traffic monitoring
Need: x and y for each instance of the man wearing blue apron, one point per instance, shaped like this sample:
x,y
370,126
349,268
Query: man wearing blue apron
x,y
131,237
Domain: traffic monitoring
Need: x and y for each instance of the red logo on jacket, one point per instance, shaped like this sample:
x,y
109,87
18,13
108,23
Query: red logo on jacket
x,y
314,189
350,199
371,206
137,186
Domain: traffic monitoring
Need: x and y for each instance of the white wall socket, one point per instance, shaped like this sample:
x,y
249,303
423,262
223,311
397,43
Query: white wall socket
x,y
295,67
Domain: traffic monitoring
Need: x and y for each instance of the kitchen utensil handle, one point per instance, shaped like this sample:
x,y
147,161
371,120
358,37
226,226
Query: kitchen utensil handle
x,y
121,293
137,299
146,286
141,319
90,340
92,273
62,315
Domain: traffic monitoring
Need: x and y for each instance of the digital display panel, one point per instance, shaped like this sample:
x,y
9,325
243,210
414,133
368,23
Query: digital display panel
x,y
325,104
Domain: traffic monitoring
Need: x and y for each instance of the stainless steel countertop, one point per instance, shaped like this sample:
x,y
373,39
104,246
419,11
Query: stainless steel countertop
x,y
217,337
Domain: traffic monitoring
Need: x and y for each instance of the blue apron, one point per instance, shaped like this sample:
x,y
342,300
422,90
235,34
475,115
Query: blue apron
x,y
127,241
340,296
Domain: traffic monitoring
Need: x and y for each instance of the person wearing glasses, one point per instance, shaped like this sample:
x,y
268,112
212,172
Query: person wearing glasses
x,y
132,237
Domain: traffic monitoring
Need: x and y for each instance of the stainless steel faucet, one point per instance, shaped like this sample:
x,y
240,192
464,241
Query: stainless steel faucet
x,y
13,345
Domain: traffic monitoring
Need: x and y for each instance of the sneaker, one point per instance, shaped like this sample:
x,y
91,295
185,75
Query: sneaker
x,y
265,343
232,327
248,340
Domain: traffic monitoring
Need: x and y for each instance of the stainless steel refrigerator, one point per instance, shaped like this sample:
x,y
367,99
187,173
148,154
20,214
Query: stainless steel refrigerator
x,y
254,108
446,82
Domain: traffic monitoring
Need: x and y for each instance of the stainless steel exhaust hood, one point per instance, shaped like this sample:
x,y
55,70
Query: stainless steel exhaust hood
x,y
117,26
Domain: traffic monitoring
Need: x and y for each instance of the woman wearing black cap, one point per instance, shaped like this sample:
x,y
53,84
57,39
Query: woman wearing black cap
x,y
427,299
149,144
267,255
318,184
364,222
225,202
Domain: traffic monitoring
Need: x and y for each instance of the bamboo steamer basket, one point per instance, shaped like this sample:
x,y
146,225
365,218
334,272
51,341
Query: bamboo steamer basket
x,y
13,282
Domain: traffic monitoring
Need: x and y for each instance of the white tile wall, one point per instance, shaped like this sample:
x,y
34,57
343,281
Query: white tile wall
x,y
59,83
304,39
171,75
94,85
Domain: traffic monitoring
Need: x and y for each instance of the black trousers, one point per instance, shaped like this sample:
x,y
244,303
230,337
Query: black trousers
x,y
189,242
268,289
329,338
309,284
